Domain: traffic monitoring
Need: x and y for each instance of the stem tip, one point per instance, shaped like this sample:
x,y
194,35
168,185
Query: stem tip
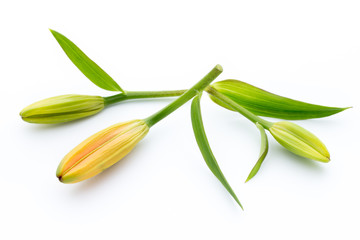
x,y
219,67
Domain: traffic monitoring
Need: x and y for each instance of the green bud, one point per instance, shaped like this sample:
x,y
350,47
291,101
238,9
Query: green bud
x,y
62,108
299,141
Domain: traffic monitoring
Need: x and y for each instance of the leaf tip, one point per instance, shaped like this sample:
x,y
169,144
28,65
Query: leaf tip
x,y
237,200
240,205
53,31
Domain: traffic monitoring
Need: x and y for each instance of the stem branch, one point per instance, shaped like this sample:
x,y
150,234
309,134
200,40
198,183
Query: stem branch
x,y
246,113
141,94
203,83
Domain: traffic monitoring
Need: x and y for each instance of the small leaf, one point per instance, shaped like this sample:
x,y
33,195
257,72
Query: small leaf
x,y
204,146
263,152
263,103
89,68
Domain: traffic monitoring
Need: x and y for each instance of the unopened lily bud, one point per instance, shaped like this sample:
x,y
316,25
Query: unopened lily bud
x,y
62,108
299,141
101,151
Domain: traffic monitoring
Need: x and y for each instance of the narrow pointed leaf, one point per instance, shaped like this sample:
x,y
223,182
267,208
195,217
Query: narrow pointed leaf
x,y
263,152
204,146
88,67
263,103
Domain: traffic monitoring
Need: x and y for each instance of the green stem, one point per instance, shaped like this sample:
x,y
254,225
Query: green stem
x,y
141,94
203,83
246,113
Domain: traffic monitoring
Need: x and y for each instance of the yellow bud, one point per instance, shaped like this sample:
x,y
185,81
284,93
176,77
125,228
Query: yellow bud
x,y
100,151
299,141
62,108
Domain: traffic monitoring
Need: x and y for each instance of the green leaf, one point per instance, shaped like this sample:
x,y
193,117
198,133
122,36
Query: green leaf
x,y
263,152
89,68
263,103
204,146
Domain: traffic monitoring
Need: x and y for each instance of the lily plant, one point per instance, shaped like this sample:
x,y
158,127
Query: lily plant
x,y
105,148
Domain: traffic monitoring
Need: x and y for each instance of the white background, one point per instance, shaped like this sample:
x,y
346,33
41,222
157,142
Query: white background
x,y
307,50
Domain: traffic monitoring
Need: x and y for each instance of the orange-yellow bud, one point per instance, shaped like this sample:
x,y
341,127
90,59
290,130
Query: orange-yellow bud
x,y
100,151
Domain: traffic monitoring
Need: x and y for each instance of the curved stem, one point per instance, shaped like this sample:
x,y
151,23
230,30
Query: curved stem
x,y
203,83
246,113
141,94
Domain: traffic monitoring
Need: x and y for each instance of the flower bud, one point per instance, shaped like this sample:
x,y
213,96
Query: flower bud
x,y
62,108
101,151
299,141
